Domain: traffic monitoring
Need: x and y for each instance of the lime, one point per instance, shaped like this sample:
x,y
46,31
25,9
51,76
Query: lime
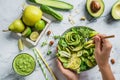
x,y
34,35
40,25
20,44
26,32
31,15
17,26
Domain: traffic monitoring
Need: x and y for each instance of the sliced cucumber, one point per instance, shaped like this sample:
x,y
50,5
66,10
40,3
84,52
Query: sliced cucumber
x,y
52,12
55,4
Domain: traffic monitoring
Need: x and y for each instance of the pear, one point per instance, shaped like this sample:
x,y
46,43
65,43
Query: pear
x,y
17,26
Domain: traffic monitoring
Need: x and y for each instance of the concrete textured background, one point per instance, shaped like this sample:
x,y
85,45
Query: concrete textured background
x,y
12,9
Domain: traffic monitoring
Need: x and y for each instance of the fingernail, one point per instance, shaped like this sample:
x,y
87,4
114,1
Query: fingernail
x,y
98,39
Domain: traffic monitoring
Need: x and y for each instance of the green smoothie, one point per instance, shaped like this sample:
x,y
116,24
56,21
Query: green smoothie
x,y
24,64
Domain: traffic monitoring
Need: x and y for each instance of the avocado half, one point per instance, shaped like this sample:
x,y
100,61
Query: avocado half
x,y
116,11
98,13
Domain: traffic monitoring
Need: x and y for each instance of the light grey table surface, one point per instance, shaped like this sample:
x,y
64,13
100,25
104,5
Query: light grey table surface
x,y
11,9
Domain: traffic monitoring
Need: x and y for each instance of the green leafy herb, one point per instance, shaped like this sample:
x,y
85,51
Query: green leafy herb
x,y
49,52
56,36
63,43
44,43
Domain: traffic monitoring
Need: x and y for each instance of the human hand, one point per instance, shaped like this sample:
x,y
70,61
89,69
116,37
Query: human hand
x,y
102,50
67,73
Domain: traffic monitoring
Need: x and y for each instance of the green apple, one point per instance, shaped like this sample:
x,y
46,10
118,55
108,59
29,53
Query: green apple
x,y
40,25
17,26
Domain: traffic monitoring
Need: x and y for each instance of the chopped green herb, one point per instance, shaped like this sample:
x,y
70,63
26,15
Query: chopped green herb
x,y
57,37
44,43
49,52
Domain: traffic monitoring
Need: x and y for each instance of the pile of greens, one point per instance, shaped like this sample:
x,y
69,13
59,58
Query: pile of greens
x,y
76,47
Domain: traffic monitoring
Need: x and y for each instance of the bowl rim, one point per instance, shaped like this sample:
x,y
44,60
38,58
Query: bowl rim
x,y
14,61
75,27
78,27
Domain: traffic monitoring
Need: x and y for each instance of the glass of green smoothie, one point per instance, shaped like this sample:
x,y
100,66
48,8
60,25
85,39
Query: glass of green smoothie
x,y
24,64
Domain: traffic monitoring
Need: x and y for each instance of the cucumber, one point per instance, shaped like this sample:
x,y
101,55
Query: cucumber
x,y
54,3
52,12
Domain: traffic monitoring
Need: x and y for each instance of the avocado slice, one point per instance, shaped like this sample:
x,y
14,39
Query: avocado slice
x,y
95,7
116,10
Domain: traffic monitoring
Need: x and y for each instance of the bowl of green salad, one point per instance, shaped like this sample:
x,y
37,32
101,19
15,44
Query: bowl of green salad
x,y
24,64
76,48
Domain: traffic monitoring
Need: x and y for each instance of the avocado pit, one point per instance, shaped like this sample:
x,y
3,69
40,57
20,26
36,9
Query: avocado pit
x,y
95,6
